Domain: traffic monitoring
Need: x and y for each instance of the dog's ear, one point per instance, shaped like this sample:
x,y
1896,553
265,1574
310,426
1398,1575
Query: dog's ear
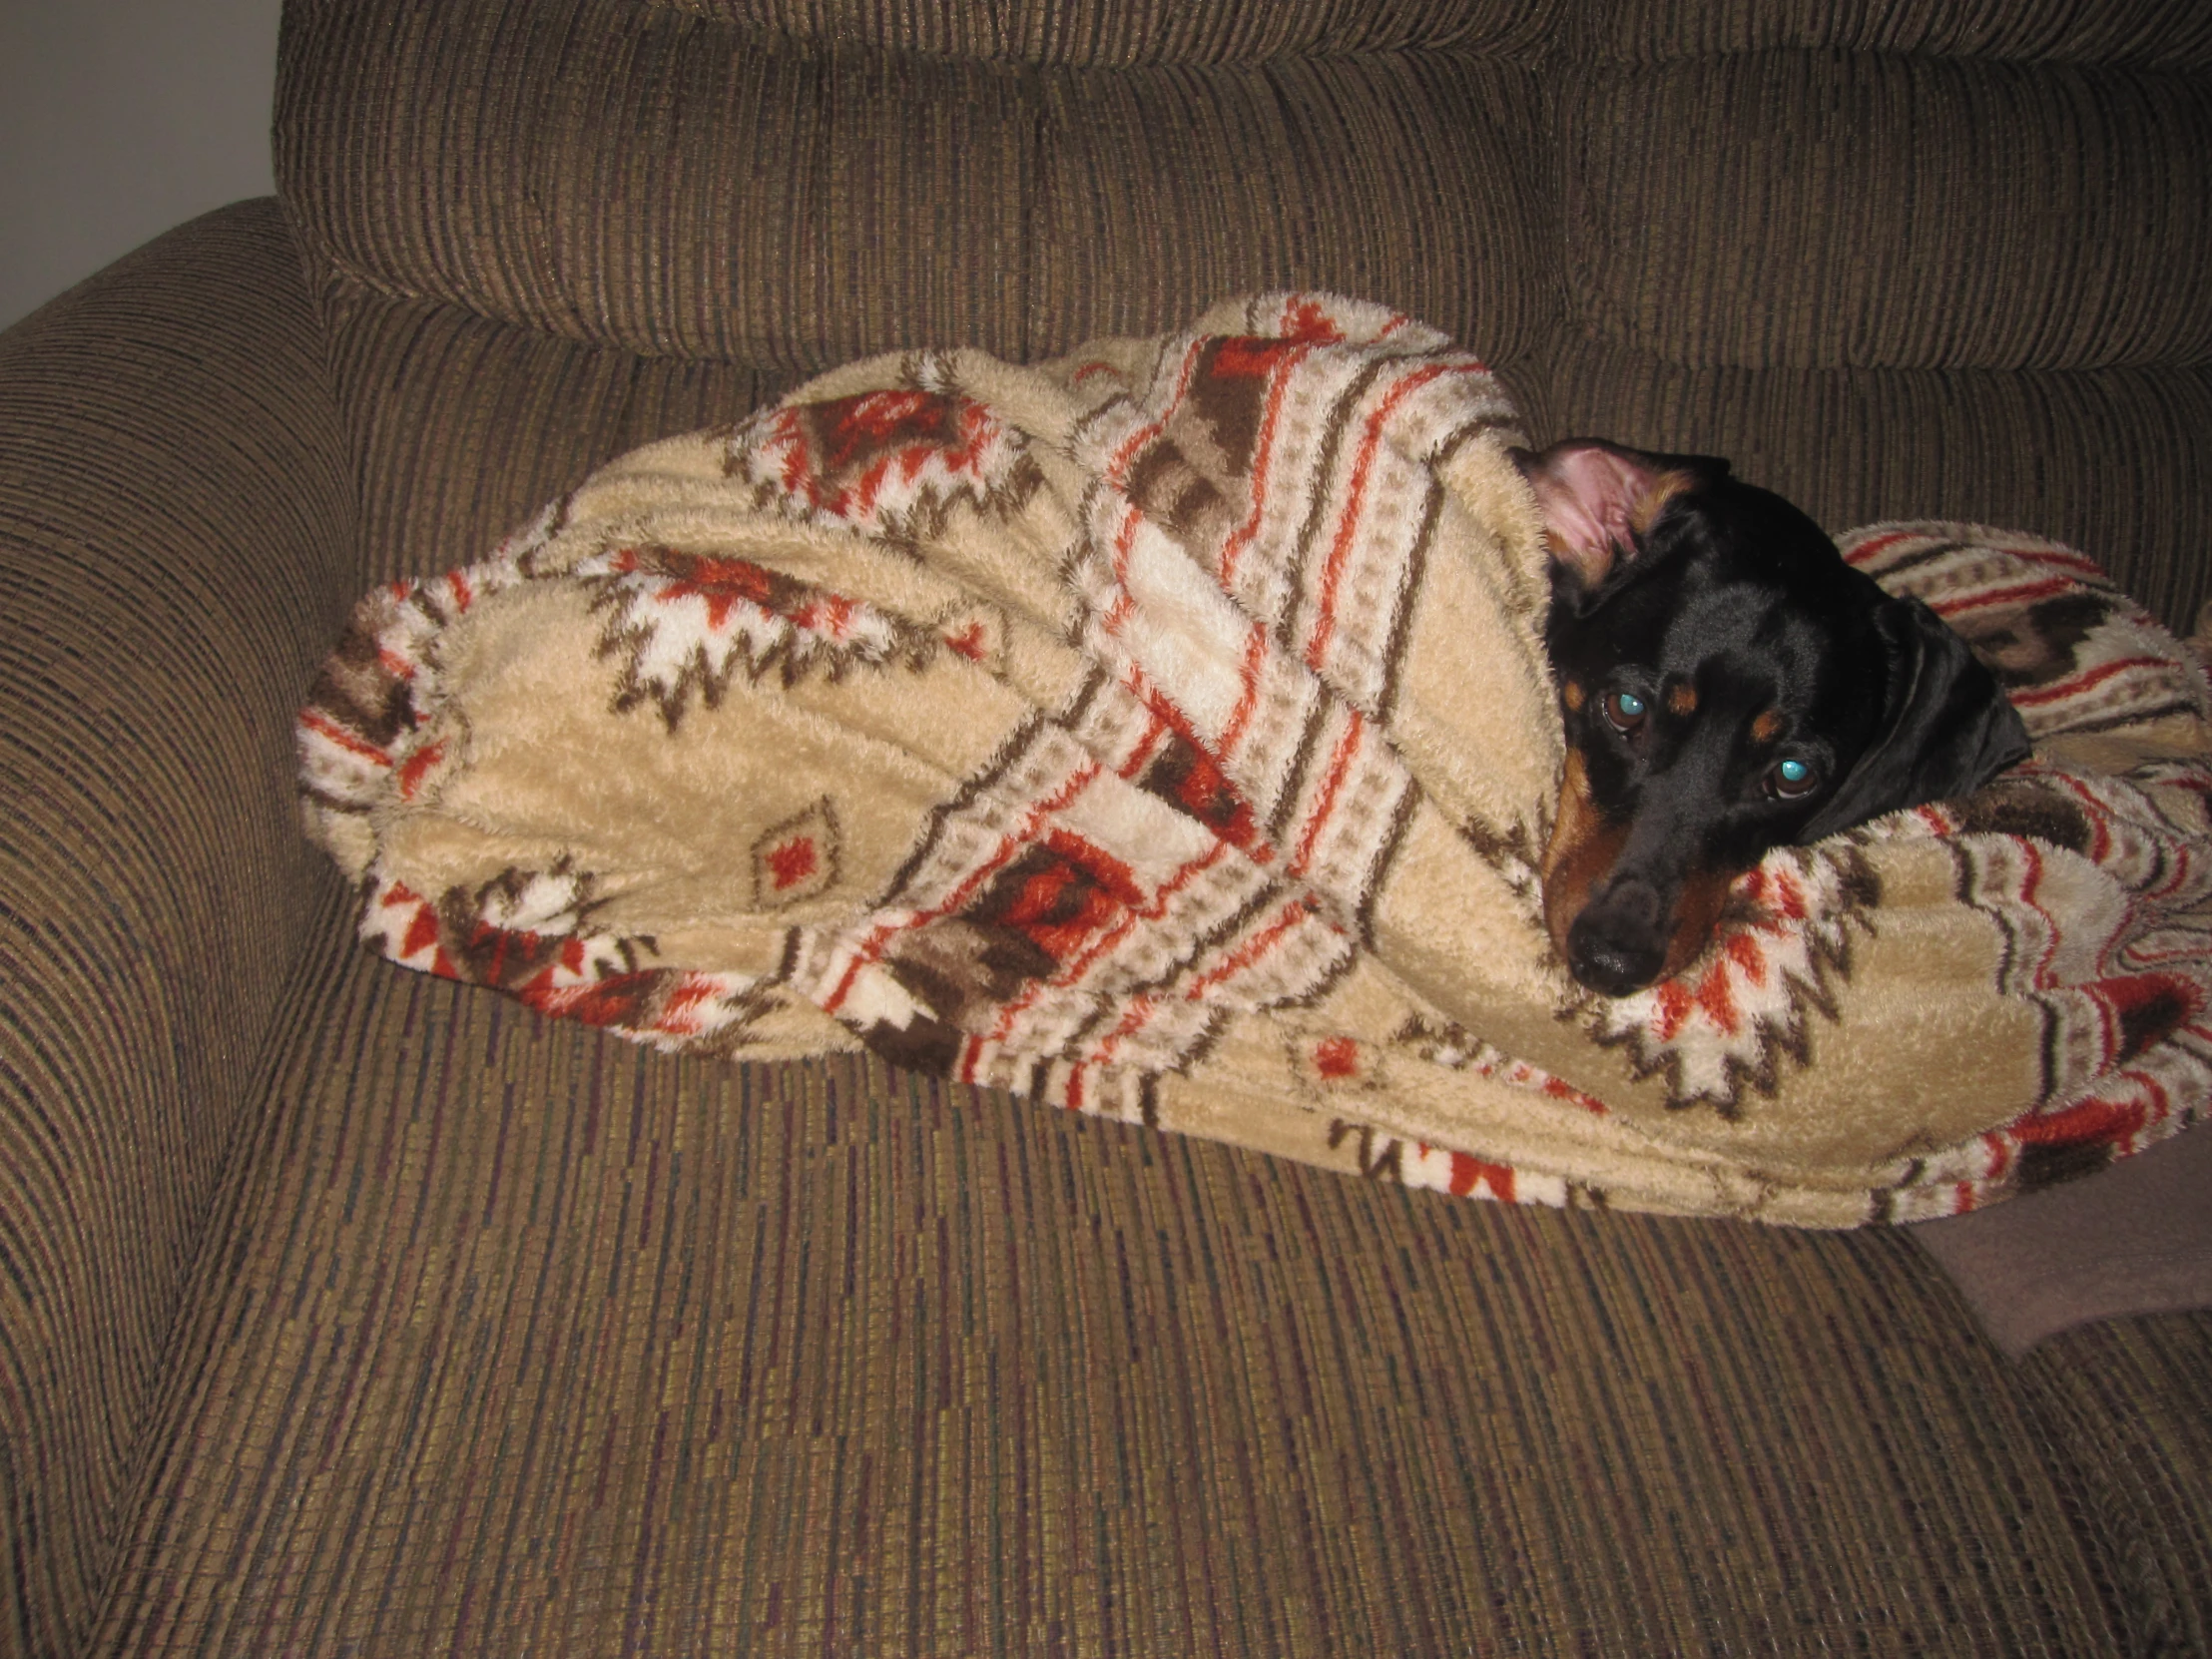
x,y
1946,728
1598,500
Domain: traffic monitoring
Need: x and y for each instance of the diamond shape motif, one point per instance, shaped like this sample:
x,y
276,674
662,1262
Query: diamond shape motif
x,y
796,858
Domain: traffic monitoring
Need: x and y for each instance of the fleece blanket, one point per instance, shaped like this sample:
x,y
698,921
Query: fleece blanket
x,y
1164,732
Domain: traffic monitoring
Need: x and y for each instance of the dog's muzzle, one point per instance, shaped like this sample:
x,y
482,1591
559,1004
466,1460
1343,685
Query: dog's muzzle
x,y
1619,942
1616,928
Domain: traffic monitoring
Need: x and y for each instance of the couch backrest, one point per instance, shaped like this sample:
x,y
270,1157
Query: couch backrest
x,y
1013,175
1788,209
1768,183
794,182
1897,258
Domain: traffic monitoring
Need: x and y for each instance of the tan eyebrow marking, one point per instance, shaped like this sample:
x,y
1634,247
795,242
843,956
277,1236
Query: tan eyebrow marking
x,y
1767,727
1574,696
1682,699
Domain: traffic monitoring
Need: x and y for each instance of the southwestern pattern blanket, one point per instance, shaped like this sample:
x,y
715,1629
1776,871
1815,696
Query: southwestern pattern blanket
x,y
1165,733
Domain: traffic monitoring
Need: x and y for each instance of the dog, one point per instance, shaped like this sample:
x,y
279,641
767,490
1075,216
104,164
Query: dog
x,y
1728,683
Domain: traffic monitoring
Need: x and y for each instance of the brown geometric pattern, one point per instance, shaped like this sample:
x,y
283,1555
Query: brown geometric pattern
x,y
682,624
894,463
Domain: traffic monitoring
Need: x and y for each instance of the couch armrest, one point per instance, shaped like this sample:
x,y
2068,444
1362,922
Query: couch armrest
x,y
177,547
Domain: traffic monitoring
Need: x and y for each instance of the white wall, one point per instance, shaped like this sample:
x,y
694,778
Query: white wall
x,y
118,120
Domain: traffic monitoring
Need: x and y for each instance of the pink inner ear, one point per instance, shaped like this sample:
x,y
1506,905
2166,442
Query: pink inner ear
x,y
1588,495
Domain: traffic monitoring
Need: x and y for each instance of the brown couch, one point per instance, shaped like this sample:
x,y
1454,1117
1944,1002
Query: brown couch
x,y
344,1310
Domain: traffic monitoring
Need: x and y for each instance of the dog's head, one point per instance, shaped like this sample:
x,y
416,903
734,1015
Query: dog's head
x,y
1729,684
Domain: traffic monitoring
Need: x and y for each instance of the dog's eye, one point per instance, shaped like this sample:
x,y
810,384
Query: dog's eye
x,y
1792,779
1625,709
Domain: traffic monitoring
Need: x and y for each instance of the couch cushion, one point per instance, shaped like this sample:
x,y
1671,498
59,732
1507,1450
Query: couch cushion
x,y
528,1341
1837,209
641,176
1403,179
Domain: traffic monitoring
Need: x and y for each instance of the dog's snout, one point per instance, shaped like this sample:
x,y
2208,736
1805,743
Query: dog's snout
x,y
1618,943
1623,912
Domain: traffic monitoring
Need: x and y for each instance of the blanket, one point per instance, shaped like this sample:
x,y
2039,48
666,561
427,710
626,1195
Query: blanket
x,y
1164,732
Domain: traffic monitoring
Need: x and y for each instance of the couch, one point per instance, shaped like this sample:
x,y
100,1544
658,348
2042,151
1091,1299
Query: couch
x,y
347,1311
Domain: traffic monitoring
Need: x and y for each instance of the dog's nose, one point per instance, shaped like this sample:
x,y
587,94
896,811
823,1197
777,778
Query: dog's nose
x,y
1619,942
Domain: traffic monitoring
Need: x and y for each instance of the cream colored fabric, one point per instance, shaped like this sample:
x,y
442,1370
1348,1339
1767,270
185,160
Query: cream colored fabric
x,y
1165,731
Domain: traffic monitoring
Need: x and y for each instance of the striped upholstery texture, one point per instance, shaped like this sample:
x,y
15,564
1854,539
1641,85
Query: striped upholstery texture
x,y
531,1343
346,1311
175,538
1796,255
2010,245
419,383
2128,1401
661,183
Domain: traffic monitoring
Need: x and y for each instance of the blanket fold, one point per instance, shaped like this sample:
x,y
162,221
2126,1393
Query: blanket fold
x,y
1165,733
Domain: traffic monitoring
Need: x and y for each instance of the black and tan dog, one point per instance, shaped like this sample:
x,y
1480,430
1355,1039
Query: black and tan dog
x,y
1728,685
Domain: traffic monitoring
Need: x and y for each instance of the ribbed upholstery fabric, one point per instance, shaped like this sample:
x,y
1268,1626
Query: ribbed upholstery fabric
x,y
2131,1402
2172,33
2114,462
1393,176
1841,210
634,175
461,429
640,177
1119,33
529,1341
175,546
